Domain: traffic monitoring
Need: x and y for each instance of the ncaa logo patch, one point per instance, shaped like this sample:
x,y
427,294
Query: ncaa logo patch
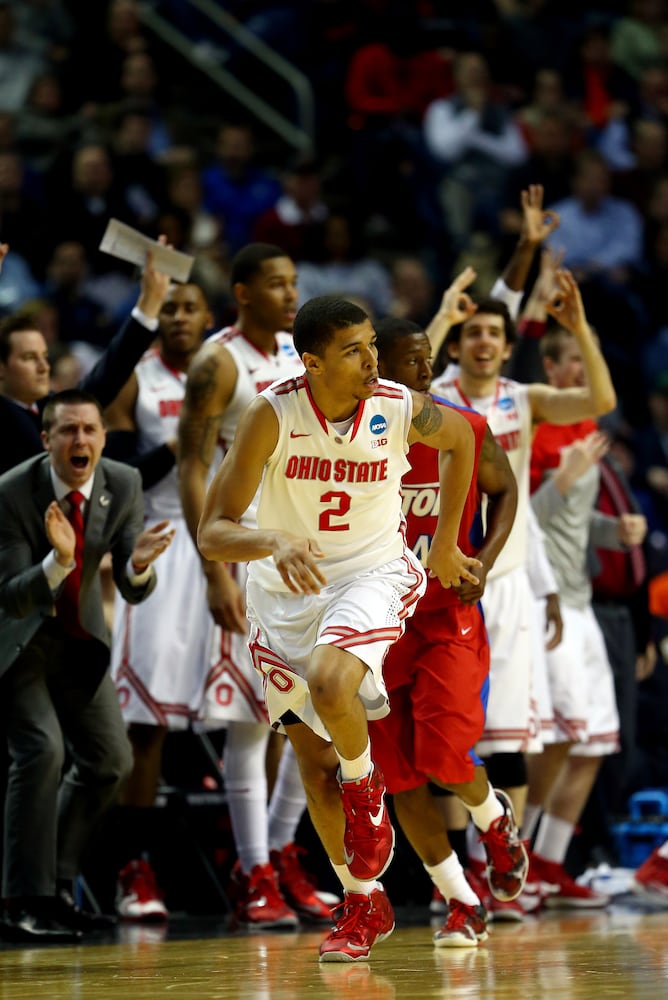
x,y
378,424
505,404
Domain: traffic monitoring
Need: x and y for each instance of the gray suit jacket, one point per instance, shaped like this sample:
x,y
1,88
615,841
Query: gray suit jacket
x,y
114,519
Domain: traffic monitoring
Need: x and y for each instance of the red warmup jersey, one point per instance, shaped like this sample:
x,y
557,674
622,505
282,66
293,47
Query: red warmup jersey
x,y
421,492
547,443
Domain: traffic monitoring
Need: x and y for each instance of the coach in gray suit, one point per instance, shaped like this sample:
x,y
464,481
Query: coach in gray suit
x,y
54,685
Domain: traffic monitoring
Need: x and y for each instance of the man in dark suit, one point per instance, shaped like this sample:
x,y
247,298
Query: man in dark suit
x,y
54,651
24,368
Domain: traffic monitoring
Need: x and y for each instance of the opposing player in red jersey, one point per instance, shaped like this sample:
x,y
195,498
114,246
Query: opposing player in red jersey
x,y
438,673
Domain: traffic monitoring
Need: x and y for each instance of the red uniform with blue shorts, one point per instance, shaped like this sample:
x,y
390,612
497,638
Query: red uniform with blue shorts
x,y
437,674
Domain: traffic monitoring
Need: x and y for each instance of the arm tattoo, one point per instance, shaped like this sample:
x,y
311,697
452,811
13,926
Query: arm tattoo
x,y
202,382
429,420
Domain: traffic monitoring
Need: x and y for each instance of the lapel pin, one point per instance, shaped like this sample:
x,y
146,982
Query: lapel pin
x,y
104,501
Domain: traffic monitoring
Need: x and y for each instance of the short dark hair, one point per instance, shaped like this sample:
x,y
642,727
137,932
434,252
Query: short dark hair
x,y
493,307
391,329
67,397
318,320
249,260
18,323
553,341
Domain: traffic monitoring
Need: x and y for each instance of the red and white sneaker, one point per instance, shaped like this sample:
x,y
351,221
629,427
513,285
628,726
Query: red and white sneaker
x,y
438,902
138,897
652,875
560,891
506,910
297,886
507,858
465,926
364,922
368,840
258,901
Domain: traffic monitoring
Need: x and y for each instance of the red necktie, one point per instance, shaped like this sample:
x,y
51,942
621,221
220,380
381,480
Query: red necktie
x,y
67,604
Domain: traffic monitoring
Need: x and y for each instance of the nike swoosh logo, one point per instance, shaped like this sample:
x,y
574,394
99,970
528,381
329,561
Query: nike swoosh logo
x,y
348,858
377,818
465,631
356,947
293,434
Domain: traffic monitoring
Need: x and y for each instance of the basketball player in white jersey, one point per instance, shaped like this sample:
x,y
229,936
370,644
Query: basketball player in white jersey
x,y
159,655
331,580
232,367
480,346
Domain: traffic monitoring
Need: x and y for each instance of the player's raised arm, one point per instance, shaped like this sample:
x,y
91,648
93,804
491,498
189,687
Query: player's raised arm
x,y
443,428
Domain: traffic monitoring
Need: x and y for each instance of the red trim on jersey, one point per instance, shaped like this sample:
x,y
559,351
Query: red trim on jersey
x,y
226,665
176,372
292,384
468,402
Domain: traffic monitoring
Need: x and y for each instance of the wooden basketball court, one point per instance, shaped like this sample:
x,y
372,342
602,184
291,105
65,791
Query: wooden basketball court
x,y
621,953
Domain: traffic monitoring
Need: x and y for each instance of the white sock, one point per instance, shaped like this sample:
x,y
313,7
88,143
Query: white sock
x,y
448,876
288,801
531,817
553,837
351,884
663,850
359,767
244,759
484,815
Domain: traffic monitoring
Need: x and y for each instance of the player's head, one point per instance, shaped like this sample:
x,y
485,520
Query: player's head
x,y
320,318
562,358
483,342
24,364
404,353
184,319
337,344
264,283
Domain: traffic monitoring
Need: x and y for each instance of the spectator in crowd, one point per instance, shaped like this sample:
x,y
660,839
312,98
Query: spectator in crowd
x,y
346,269
476,139
297,221
235,189
19,64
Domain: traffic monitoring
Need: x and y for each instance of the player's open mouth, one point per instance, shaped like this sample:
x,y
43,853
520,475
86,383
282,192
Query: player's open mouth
x,y
79,461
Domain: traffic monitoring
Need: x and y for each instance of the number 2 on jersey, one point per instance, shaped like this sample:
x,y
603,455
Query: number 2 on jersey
x,y
341,508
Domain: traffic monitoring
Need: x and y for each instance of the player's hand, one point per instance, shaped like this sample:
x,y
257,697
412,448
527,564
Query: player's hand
x,y
452,567
577,458
566,303
632,529
154,284
456,304
60,533
471,593
151,544
537,223
225,599
296,561
554,625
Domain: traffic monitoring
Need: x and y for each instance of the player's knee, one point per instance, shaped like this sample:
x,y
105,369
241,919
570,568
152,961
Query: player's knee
x,y
330,689
507,770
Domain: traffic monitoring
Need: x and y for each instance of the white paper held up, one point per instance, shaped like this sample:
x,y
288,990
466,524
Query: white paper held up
x,y
126,243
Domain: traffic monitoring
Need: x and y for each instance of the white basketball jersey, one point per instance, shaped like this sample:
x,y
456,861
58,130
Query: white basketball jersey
x,y
508,414
341,489
159,400
255,372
